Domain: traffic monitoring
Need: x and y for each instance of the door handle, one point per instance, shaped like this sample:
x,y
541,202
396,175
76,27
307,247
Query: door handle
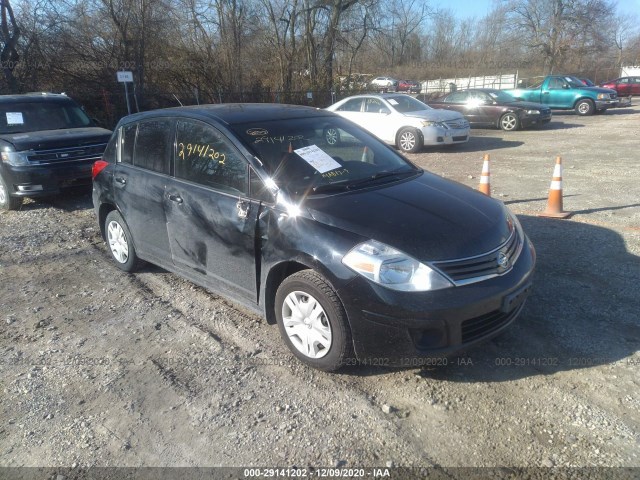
x,y
121,180
243,208
175,198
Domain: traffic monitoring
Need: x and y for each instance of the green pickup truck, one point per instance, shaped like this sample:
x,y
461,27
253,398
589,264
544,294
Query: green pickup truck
x,y
564,92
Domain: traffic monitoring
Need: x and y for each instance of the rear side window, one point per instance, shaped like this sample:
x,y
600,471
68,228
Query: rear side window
x,y
153,145
127,141
204,156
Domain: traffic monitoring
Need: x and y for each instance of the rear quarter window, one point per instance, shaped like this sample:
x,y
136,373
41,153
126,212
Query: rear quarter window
x,y
127,142
110,152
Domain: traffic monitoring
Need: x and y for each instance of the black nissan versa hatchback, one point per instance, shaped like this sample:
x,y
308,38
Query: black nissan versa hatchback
x,y
356,253
47,142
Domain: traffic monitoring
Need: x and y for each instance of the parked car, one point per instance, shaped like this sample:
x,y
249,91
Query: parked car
x,y
587,82
409,86
564,92
385,83
47,143
624,86
487,107
355,253
403,121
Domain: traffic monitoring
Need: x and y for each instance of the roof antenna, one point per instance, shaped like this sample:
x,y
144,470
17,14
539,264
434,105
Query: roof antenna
x,y
177,99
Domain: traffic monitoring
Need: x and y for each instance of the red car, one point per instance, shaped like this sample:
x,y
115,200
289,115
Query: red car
x,y
409,86
624,86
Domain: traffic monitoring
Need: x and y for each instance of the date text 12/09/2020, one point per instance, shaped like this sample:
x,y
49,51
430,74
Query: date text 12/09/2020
x,y
316,472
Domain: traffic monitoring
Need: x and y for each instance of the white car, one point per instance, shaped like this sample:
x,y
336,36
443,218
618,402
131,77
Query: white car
x,y
384,82
401,120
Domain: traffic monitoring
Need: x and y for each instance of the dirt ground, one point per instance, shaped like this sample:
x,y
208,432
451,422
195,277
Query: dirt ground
x,y
102,368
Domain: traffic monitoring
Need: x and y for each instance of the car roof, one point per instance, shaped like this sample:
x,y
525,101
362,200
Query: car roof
x,y
35,97
235,113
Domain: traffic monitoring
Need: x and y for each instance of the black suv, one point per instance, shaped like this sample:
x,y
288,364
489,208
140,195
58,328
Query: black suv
x,y
355,252
47,142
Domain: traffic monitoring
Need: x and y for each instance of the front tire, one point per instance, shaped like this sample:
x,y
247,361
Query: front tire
x,y
585,108
509,122
120,243
409,140
7,202
312,321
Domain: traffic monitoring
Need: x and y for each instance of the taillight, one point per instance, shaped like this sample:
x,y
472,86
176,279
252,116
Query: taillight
x,y
98,166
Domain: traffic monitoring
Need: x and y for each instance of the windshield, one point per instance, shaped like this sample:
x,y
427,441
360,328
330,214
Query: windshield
x,y
406,104
20,117
308,156
501,96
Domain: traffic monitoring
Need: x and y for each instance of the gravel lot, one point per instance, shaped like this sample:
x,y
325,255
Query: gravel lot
x,y
101,368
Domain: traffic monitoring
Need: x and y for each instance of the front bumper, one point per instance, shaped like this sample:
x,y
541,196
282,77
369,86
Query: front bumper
x,y
444,136
529,120
391,328
39,180
604,104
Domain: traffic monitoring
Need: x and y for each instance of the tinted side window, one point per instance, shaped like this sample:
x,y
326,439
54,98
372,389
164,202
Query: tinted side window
x,y
109,154
457,97
258,189
153,145
204,156
127,141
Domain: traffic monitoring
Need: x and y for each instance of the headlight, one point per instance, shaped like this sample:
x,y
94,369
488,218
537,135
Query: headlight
x,y
431,123
387,266
533,112
603,96
15,159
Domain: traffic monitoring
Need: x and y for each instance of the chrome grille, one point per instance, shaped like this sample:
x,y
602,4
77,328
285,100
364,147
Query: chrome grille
x,y
69,154
483,267
457,123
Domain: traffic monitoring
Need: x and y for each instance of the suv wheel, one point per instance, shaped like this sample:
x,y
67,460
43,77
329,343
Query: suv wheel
x,y
312,321
7,202
119,242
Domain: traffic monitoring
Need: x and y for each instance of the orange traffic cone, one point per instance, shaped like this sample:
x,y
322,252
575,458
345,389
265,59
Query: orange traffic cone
x,y
485,184
554,204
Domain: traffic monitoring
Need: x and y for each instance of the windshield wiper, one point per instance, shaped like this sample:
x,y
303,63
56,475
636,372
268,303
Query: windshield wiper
x,y
383,174
338,186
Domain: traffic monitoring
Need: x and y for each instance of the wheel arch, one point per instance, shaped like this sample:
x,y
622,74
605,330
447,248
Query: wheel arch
x,y
104,210
282,270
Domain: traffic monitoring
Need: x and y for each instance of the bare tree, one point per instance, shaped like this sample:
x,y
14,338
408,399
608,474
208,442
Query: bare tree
x,y
10,37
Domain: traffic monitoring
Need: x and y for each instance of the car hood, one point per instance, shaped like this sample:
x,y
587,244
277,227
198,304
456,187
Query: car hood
x,y
51,139
429,218
435,115
599,89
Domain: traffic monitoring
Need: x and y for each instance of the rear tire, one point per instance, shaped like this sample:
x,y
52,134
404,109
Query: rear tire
x,y
120,242
409,140
585,108
312,321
